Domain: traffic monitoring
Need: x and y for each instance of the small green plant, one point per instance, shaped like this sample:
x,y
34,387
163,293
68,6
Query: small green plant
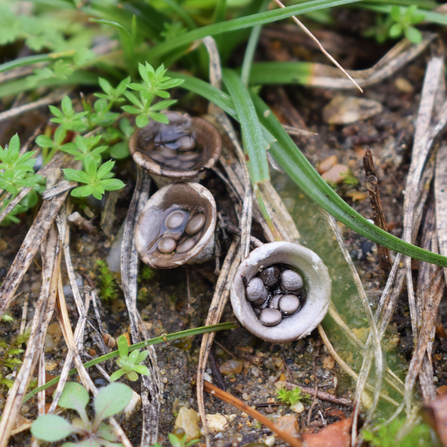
x,y
110,400
97,179
386,436
10,355
107,284
404,22
178,439
155,83
291,397
16,171
146,274
129,364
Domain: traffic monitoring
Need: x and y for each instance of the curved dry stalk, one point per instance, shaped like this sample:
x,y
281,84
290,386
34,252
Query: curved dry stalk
x,y
150,385
343,365
390,377
42,316
220,298
379,361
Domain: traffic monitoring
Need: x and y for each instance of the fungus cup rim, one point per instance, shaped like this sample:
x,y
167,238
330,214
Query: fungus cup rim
x,y
157,204
198,125
317,286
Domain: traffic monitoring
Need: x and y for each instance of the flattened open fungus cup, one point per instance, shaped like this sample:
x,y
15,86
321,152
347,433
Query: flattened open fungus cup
x,y
177,226
180,151
310,298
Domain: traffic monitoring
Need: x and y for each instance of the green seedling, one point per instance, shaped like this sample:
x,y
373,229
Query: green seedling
x,y
155,83
125,130
67,117
129,364
10,356
404,22
16,171
83,147
109,401
178,439
291,397
107,284
97,180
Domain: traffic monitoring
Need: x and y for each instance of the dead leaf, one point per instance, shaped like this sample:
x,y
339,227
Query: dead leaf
x,y
334,435
435,414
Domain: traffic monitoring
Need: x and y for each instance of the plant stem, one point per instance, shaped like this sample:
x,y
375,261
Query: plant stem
x,y
143,344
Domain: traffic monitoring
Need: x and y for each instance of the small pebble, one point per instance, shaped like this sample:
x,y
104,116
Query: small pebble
x,y
291,281
273,304
186,143
186,245
256,290
167,245
195,224
270,317
288,304
175,220
270,276
189,156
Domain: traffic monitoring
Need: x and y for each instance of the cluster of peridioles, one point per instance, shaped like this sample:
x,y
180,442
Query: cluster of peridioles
x,y
181,227
275,293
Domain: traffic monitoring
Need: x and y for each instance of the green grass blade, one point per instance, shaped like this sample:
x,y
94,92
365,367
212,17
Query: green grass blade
x,y
17,86
253,142
304,175
251,47
245,22
281,73
29,60
143,344
187,19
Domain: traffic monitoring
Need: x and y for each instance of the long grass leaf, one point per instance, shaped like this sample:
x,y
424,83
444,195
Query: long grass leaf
x,y
29,60
255,150
281,73
304,175
244,22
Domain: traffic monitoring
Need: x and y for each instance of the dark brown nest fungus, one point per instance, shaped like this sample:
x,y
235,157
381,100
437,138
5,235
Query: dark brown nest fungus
x,y
176,152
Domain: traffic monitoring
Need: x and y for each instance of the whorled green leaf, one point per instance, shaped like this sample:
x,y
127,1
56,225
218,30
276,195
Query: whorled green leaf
x,y
51,428
111,400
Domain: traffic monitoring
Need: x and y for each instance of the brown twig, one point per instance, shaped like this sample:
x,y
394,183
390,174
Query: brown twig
x,y
228,398
321,395
372,185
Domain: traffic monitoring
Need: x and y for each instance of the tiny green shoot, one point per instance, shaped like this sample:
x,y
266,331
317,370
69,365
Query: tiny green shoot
x,y
404,23
291,397
109,401
97,179
129,364
178,439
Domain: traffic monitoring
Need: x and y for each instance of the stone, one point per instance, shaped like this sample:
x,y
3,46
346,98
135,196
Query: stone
x,y
289,424
336,174
216,422
327,164
349,109
188,420
231,366
328,362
